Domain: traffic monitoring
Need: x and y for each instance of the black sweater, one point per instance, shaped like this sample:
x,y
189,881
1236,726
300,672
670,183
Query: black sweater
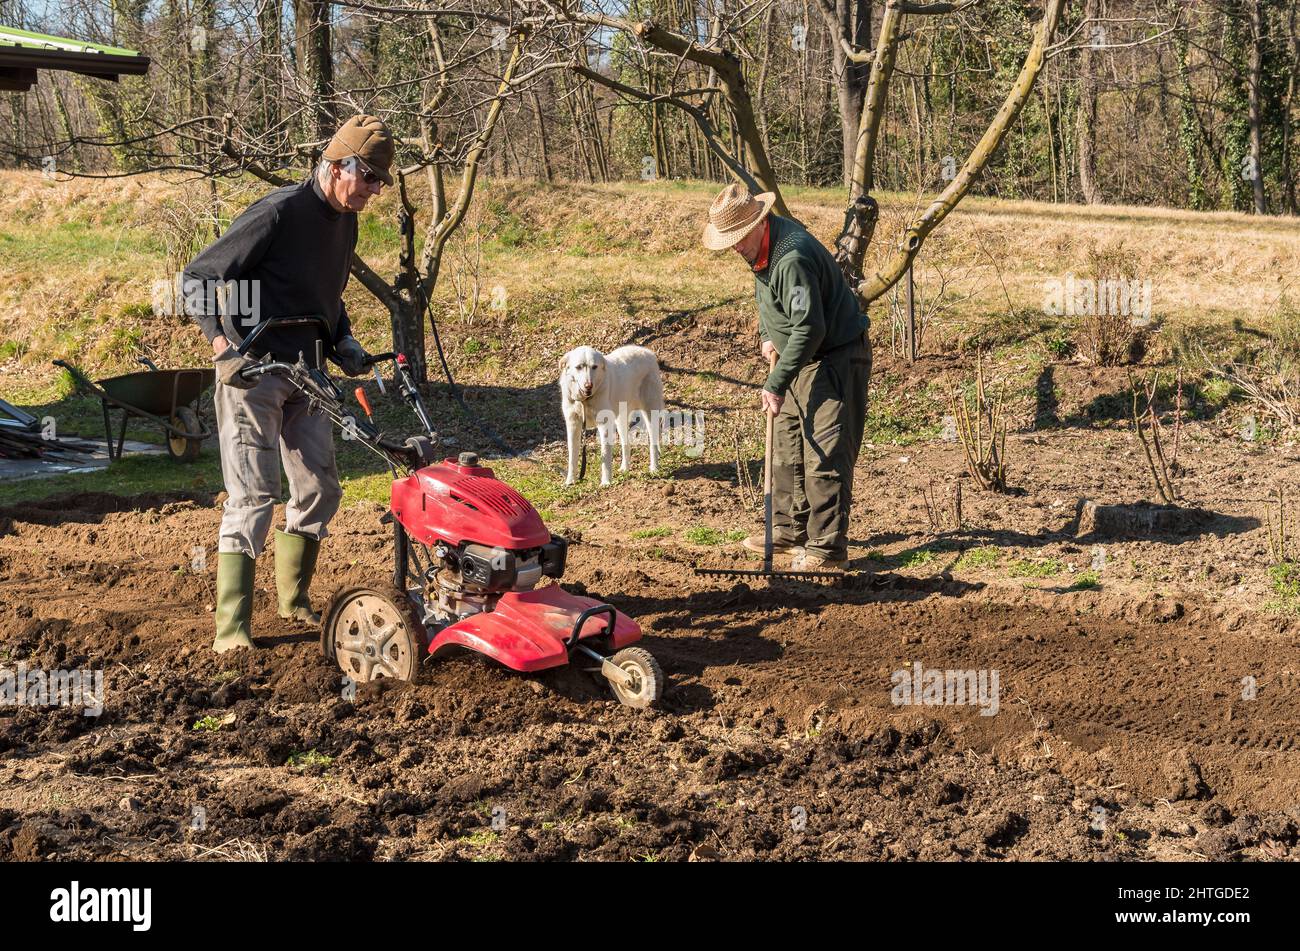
x,y
299,251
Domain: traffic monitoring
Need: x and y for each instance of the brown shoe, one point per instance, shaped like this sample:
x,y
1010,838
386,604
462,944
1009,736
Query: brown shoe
x,y
755,544
811,561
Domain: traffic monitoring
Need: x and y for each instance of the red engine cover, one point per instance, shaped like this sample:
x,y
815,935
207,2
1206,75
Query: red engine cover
x,y
454,503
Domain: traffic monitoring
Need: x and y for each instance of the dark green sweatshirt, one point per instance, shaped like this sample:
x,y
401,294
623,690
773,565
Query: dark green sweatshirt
x,y
805,306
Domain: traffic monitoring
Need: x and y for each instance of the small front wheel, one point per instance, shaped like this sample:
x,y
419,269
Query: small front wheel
x,y
646,677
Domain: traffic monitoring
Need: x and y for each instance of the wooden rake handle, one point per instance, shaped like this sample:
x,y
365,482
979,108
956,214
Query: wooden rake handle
x,y
767,480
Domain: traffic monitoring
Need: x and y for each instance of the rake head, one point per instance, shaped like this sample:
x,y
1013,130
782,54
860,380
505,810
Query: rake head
x,y
833,577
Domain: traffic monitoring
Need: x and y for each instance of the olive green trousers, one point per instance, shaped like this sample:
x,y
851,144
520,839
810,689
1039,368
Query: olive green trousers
x,y
815,442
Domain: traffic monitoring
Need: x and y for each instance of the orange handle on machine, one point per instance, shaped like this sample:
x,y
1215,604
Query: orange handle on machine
x,y
360,394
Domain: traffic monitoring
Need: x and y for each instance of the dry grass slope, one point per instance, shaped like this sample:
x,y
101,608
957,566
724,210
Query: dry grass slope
x,y
79,260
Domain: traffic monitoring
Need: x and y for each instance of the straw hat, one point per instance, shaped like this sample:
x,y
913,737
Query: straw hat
x,y
734,214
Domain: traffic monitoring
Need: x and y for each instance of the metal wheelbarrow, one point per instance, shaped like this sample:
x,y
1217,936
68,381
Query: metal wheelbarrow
x,y
168,397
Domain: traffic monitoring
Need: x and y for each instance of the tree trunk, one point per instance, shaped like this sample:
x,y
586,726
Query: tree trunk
x,y
852,83
544,156
1086,131
1288,126
269,39
1189,128
1253,80
1236,159
315,65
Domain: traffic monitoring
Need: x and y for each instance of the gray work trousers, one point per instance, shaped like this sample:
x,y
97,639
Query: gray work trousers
x,y
258,429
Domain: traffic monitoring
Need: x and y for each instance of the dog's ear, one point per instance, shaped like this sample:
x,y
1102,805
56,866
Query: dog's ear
x,y
564,363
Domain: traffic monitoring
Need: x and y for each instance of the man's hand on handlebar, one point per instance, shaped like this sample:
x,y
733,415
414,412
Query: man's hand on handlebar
x,y
230,368
351,356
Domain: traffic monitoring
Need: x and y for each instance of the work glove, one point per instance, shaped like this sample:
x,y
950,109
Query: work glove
x,y
228,365
351,356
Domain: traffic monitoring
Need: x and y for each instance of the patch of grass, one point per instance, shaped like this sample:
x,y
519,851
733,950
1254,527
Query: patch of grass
x,y
986,556
916,559
480,838
77,243
661,532
889,423
310,758
1284,579
1086,581
1060,344
705,535
122,345
506,228
131,475
1036,568
1216,391
136,311
369,488
375,232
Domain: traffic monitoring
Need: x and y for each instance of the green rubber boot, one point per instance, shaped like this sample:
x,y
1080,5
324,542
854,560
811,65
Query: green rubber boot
x,y
234,600
295,563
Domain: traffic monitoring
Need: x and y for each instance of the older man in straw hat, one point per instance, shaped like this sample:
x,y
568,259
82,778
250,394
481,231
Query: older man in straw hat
x,y
814,335
294,247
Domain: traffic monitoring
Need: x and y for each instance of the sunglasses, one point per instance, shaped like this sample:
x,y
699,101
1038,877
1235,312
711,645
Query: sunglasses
x,y
368,174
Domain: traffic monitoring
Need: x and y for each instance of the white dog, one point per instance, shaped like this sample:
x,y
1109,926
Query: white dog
x,y
605,391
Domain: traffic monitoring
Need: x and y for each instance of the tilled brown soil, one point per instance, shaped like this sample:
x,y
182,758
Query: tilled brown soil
x,y
1121,731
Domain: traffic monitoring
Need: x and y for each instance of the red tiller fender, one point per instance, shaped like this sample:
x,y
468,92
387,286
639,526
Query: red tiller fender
x,y
527,629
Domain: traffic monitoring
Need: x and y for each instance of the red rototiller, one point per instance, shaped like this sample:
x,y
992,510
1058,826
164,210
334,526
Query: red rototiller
x,y
469,553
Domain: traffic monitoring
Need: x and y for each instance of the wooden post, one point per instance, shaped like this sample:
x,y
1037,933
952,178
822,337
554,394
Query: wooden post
x,y
909,325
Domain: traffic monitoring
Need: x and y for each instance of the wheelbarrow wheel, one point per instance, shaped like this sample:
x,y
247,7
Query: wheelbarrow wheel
x,y
373,633
647,684
178,447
